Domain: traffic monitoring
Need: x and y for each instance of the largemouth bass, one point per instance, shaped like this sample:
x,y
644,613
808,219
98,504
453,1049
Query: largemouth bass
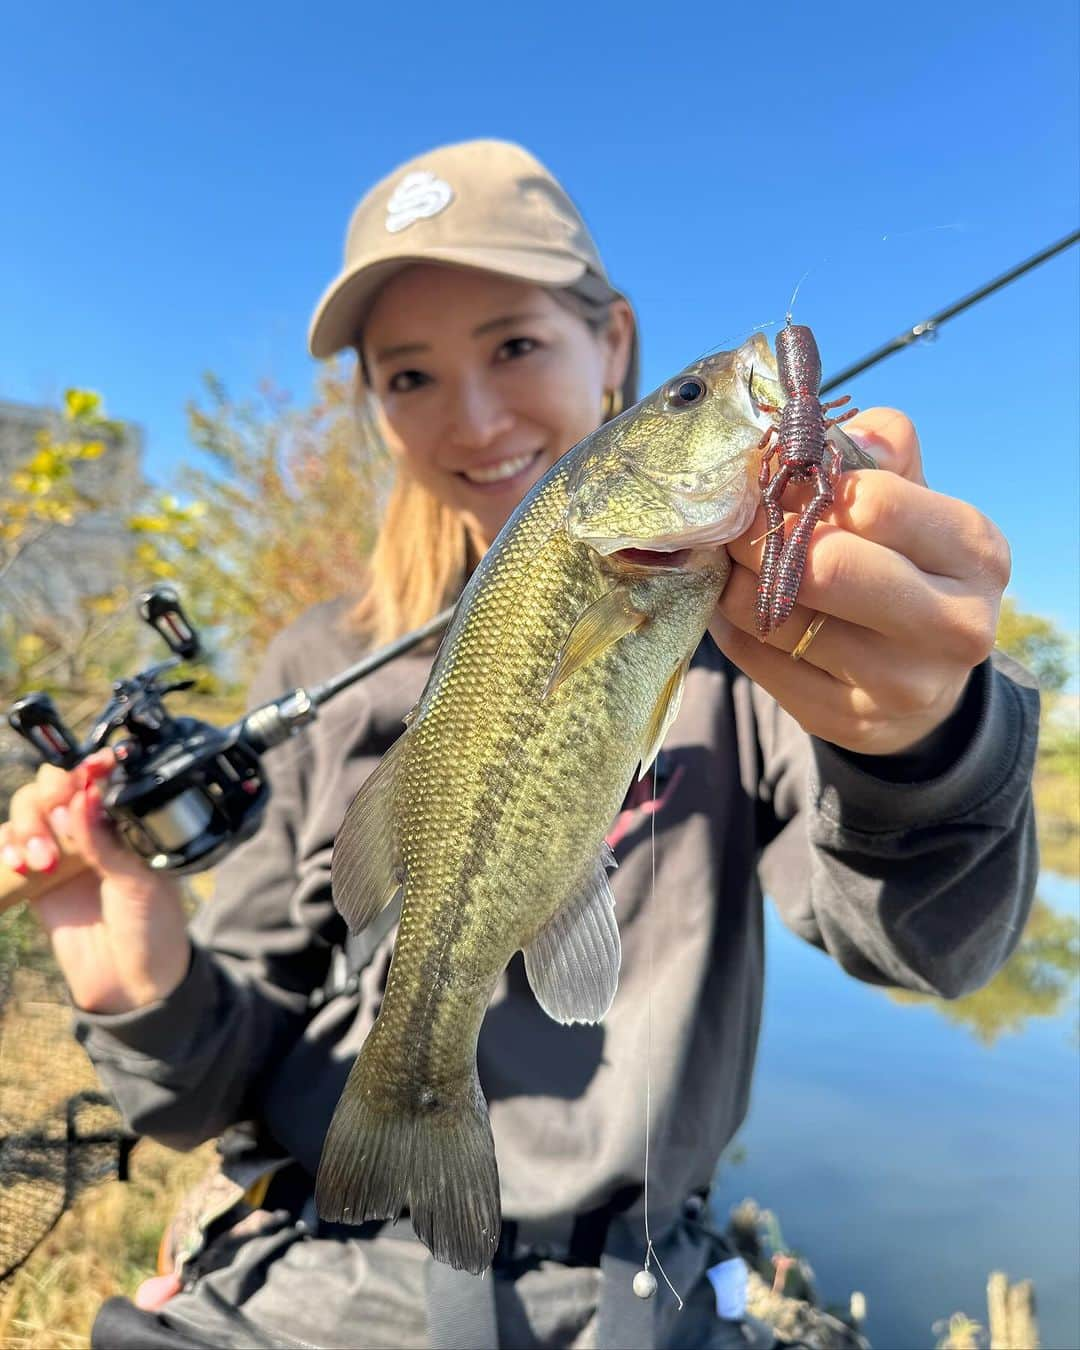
x,y
560,673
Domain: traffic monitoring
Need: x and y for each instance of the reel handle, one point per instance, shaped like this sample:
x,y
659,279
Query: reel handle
x,y
160,607
36,718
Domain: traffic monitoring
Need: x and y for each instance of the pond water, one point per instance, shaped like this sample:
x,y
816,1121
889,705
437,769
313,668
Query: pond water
x,y
906,1158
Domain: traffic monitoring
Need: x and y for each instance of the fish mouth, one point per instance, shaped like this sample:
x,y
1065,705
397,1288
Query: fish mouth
x,y
653,558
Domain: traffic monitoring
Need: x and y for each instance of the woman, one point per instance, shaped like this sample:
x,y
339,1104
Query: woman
x,y
881,782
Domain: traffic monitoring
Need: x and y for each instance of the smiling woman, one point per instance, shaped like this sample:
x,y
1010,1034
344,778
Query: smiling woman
x,y
507,378
879,786
489,341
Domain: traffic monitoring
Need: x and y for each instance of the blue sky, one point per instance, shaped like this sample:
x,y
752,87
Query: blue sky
x,y
177,181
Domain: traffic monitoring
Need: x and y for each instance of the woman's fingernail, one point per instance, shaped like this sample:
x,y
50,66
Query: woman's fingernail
x,y
871,444
59,820
41,855
12,857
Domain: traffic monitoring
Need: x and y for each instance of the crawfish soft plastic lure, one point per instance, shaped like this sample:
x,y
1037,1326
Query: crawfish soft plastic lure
x,y
803,454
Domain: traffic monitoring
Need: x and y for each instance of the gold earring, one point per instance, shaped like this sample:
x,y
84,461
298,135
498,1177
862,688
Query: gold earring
x,y
613,402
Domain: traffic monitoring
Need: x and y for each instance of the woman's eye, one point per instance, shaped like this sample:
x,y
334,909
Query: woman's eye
x,y
516,346
404,381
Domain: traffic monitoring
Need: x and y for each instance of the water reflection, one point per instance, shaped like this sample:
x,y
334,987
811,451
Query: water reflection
x,y
1036,981
905,1158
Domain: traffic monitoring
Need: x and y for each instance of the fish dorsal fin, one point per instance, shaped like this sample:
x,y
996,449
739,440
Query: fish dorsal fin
x,y
365,869
573,962
603,624
667,707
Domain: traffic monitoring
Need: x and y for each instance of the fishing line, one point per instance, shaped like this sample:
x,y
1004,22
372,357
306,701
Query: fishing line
x,y
795,292
828,258
923,329
924,229
647,1287
855,239
774,529
928,327
733,340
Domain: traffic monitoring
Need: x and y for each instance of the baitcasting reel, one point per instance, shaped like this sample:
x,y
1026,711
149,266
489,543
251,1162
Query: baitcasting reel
x,y
184,792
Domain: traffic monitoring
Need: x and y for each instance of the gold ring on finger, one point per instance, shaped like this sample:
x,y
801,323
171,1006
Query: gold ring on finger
x,y
813,628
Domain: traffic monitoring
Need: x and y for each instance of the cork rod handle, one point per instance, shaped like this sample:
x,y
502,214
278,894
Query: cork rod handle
x,y
15,888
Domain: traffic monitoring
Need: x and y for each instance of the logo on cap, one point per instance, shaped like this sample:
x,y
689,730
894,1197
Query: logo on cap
x,y
417,197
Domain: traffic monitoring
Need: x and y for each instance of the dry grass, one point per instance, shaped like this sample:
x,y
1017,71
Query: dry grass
x,y
107,1243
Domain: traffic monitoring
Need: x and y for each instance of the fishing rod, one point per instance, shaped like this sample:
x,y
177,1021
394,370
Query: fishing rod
x,y
186,792
928,328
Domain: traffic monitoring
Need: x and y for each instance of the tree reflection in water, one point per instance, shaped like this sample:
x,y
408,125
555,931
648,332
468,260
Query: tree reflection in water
x,y
1036,981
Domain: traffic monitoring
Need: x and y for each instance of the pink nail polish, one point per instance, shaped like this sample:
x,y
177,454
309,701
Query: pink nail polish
x,y
12,857
40,854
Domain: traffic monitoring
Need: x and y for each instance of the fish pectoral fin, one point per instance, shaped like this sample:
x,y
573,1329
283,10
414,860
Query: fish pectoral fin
x,y
573,962
365,868
603,624
665,712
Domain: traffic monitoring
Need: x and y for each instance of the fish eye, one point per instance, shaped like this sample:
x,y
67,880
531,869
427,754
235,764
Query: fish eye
x,y
686,392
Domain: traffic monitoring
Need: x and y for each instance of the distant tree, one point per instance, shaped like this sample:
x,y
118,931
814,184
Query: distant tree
x,y
289,505
1036,643
280,515
42,494
1049,654
45,493
76,651
1037,981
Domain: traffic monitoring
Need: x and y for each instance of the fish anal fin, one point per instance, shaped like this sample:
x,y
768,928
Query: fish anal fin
x,y
365,869
573,962
604,623
663,714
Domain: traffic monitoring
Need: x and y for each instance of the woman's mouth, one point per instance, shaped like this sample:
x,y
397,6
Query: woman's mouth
x,y
505,473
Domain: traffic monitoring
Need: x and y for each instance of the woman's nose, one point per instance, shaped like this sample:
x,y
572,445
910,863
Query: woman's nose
x,y
478,415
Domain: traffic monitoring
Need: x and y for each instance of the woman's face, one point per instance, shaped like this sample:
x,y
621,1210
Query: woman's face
x,y
483,382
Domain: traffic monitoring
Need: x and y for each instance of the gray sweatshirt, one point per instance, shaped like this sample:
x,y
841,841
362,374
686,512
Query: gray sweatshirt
x,y
923,883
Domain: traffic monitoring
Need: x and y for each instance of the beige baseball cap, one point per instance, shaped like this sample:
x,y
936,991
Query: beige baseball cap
x,y
483,204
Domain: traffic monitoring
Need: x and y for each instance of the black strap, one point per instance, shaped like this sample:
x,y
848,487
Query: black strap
x,y
119,1325
349,961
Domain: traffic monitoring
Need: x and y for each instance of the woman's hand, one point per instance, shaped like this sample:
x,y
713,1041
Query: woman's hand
x,y
117,929
911,582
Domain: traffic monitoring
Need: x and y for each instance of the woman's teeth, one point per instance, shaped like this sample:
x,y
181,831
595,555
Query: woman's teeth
x,y
495,473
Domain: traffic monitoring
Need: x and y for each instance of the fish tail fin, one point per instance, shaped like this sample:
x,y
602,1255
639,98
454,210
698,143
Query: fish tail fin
x,y
438,1161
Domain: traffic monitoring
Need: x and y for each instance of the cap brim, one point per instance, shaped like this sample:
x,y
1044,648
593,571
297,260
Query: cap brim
x,y
340,314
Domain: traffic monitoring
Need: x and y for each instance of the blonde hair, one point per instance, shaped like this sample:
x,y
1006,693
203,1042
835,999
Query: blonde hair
x,y
423,552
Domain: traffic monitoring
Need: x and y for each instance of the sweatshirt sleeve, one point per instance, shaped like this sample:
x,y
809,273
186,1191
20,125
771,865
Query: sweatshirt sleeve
x,y
924,883
185,1067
